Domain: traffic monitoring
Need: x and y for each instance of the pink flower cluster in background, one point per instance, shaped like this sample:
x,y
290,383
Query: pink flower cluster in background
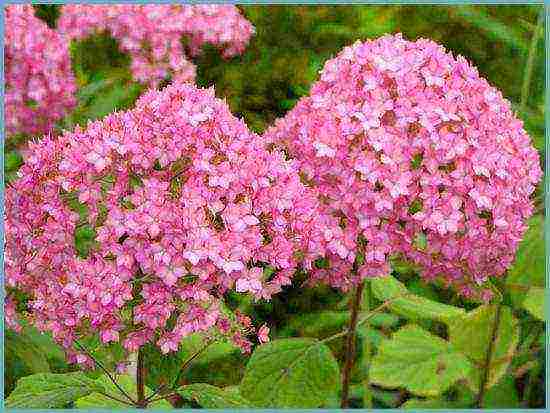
x,y
40,86
152,34
418,155
183,199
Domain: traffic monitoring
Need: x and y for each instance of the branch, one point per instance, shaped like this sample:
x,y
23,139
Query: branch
x,y
140,380
350,345
485,378
367,318
367,398
150,399
115,398
105,371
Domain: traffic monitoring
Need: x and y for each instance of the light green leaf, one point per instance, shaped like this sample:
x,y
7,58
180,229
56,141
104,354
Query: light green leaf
x,y
212,397
431,404
534,302
49,390
98,400
422,363
472,334
291,373
409,305
530,264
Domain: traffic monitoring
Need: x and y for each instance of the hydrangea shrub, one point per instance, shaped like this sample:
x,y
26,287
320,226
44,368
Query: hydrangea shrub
x,y
152,34
40,86
183,200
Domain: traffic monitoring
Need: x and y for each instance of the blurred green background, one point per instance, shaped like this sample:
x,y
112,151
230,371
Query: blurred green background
x,y
291,44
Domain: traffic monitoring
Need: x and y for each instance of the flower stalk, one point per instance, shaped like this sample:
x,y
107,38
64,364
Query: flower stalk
x,y
350,344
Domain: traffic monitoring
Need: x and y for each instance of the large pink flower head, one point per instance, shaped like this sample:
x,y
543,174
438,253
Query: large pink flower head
x,y
152,34
419,156
40,86
184,203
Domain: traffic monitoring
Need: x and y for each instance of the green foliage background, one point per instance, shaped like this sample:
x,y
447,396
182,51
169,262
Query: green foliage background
x,y
291,44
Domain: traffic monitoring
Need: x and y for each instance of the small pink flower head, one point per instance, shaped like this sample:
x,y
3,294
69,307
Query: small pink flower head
x,y
402,140
263,336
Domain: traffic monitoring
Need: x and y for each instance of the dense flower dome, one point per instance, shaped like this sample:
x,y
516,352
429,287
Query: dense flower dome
x,y
152,34
420,157
184,203
40,86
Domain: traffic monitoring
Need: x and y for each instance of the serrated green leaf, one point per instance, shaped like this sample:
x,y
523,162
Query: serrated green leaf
x,y
100,401
50,390
534,302
291,373
417,360
472,334
409,305
212,397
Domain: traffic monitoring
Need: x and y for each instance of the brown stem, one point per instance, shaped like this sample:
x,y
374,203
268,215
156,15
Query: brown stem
x,y
350,345
140,380
487,368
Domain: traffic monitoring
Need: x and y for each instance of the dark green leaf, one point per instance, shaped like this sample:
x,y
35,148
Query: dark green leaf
x,y
29,353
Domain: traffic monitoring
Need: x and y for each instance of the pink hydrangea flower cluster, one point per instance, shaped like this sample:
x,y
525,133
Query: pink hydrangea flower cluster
x,y
40,86
152,34
418,155
185,203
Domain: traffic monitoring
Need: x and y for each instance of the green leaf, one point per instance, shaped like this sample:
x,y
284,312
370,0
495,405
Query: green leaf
x,y
22,347
424,404
472,334
291,373
49,390
503,395
45,343
422,363
97,400
534,302
409,305
530,264
12,161
212,397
